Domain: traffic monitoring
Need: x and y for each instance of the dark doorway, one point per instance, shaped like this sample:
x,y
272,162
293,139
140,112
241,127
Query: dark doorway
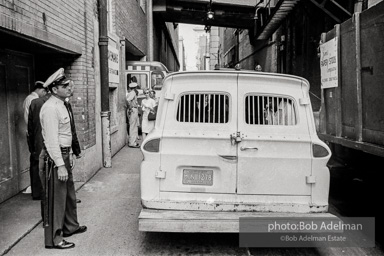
x,y
16,79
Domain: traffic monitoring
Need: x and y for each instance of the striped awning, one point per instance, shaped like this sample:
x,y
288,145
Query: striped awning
x,y
280,12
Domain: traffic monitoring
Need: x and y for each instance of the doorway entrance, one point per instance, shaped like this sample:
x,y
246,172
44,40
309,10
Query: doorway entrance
x,y
16,79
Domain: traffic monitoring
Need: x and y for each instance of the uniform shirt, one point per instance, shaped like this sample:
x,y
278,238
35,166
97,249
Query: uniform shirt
x,y
132,99
27,103
55,128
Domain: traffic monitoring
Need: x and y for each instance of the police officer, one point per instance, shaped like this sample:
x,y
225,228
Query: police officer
x,y
36,187
133,114
57,134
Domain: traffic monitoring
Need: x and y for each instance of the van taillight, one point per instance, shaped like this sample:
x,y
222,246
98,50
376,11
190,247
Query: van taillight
x,y
319,151
152,145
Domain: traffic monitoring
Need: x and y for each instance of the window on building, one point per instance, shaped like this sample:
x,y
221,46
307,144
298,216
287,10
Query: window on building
x,y
157,80
203,108
269,110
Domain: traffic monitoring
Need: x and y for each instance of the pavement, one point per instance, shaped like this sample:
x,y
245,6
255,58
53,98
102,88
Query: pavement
x,y
19,215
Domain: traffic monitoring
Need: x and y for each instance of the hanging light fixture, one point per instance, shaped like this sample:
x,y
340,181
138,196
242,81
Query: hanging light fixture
x,y
210,13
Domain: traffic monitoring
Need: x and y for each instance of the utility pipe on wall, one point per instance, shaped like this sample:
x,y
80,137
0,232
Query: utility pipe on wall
x,y
149,31
105,113
359,94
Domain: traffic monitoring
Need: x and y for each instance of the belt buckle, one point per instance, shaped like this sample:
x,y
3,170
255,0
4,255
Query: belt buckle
x,y
64,150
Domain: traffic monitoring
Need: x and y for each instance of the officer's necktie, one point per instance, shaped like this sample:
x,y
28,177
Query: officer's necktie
x,y
69,109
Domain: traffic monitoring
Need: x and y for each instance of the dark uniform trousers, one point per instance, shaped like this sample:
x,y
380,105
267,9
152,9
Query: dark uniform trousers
x,y
62,208
36,187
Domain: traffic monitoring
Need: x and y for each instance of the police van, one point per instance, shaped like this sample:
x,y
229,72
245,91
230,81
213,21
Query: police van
x,y
231,144
147,74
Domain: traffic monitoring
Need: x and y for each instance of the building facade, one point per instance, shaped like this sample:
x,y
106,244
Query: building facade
x,y
40,36
293,47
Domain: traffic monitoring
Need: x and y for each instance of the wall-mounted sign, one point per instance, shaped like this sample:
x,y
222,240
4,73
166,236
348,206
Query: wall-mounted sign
x,y
328,64
113,64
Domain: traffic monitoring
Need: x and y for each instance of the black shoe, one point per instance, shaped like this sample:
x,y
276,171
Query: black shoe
x,y
62,245
78,201
81,229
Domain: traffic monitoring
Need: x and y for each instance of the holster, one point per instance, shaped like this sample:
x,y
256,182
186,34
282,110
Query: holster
x,y
48,190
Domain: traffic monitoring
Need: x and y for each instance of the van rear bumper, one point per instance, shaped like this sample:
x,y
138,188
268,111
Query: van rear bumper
x,y
285,204
204,221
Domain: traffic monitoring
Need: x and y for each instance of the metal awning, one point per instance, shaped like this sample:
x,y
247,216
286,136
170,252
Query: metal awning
x,y
227,13
241,14
279,13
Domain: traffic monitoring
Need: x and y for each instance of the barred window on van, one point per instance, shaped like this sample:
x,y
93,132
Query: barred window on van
x,y
269,110
203,108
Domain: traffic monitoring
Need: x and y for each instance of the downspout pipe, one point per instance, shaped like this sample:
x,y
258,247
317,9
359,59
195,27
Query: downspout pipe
x,y
149,31
104,83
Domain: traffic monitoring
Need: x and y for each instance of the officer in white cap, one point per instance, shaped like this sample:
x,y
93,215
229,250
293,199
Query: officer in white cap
x,y
133,116
57,134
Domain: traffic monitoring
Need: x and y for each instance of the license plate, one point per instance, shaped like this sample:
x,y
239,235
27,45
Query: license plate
x,y
198,177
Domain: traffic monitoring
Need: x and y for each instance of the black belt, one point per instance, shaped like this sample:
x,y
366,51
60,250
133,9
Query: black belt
x,y
65,150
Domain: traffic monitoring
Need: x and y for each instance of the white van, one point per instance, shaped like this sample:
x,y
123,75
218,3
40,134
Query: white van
x,y
147,74
230,144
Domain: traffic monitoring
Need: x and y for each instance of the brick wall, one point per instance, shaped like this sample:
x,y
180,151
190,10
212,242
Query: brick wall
x,y
67,25
131,23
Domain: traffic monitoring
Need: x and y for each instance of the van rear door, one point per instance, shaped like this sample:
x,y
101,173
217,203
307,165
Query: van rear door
x,y
196,150
275,150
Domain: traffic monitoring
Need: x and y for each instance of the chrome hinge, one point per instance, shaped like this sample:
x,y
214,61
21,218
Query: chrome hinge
x,y
304,101
310,179
169,96
160,174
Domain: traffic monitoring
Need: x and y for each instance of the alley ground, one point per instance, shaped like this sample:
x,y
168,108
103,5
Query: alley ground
x,y
110,207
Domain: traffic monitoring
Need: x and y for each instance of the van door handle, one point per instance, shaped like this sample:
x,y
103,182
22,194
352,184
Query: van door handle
x,y
247,148
228,157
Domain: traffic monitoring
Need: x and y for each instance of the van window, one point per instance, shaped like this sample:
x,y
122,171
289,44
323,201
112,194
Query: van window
x,y
269,110
157,80
203,108
140,79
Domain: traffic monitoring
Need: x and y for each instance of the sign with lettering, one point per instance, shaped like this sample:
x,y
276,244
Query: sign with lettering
x,y
113,64
329,64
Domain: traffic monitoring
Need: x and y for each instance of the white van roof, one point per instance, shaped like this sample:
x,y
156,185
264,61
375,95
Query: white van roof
x,y
219,73
145,65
